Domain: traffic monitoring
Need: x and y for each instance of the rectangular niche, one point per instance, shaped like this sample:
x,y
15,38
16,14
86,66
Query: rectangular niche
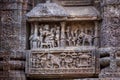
x,y
60,35
63,49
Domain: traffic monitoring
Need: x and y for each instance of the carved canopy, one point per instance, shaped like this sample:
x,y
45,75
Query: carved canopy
x,y
53,11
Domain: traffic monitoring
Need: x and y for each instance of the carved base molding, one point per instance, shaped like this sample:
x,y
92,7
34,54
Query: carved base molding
x,y
62,63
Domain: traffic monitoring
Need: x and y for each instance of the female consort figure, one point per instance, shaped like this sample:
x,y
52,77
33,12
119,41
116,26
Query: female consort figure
x,y
68,36
57,37
74,35
51,38
33,41
40,37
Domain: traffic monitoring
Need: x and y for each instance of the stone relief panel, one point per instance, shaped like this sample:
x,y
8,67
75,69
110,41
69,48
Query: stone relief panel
x,y
62,62
54,35
110,25
62,48
79,34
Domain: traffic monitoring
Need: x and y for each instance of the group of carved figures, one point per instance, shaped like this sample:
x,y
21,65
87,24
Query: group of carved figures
x,y
79,37
63,60
47,37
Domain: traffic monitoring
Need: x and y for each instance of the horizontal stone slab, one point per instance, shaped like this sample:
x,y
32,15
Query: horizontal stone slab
x,y
62,63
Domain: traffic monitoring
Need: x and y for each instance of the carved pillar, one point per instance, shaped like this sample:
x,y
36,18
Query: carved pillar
x,y
63,43
96,40
35,36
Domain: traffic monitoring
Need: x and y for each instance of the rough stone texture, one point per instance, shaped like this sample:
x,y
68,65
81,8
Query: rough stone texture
x,y
13,37
47,10
110,30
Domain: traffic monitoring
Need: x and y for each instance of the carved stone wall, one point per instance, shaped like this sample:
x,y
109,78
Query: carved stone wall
x,y
13,41
110,29
110,32
13,38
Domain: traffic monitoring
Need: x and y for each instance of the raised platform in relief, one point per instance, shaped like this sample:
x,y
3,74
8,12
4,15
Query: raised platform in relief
x,y
62,62
74,2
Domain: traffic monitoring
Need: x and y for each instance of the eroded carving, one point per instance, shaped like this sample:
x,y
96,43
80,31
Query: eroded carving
x,y
61,60
51,36
7,17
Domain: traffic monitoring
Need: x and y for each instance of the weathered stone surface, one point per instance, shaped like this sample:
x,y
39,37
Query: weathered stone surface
x,y
82,15
62,49
110,26
12,38
47,10
38,64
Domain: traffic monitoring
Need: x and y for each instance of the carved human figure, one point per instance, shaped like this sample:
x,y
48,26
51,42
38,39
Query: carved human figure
x,y
51,39
34,38
77,62
74,56
33,60
46,30
62,58
53,60
33,41
80,37
47,41
68,60
74,38
57,37
68,36
41,60
46,34
40,37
